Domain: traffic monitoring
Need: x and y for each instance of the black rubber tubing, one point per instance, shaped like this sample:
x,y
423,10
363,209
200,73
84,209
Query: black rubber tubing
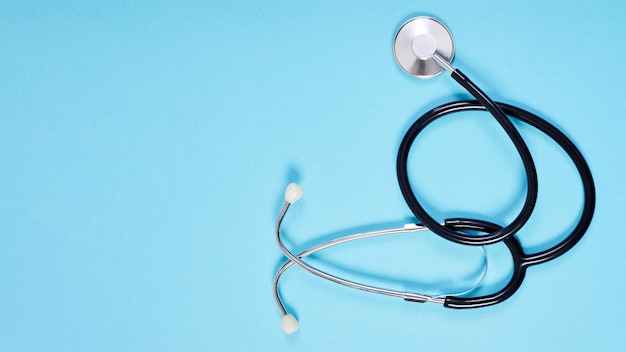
x,y
570,149
522,260
500,112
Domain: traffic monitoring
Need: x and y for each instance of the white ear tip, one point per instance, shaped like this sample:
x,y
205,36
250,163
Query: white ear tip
x,y
293,193
290,324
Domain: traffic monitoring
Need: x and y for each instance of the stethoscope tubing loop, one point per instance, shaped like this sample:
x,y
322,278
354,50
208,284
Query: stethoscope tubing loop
x,y
526,117
520,145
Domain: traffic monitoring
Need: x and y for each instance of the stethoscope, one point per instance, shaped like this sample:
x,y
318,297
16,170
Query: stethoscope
x,y
423,47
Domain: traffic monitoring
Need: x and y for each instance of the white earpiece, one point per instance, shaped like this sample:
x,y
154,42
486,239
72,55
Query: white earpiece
x,y
293,193
290,323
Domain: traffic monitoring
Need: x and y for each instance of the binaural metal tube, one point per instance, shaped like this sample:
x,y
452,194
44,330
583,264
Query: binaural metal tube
x,y
296,259
407,296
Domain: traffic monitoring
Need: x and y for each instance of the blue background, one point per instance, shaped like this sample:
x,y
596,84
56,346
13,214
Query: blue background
x,y
145,147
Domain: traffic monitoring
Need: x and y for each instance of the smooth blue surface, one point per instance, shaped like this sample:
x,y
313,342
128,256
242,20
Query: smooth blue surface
x,y
145,147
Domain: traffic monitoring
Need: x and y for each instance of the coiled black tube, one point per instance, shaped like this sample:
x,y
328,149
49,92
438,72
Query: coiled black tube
x,y
500,111
529,166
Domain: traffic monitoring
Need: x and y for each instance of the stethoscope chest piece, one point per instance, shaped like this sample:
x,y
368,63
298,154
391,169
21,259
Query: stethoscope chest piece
x,y
416,42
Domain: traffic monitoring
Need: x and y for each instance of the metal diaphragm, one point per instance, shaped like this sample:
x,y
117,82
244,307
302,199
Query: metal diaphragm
x,y
415,43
